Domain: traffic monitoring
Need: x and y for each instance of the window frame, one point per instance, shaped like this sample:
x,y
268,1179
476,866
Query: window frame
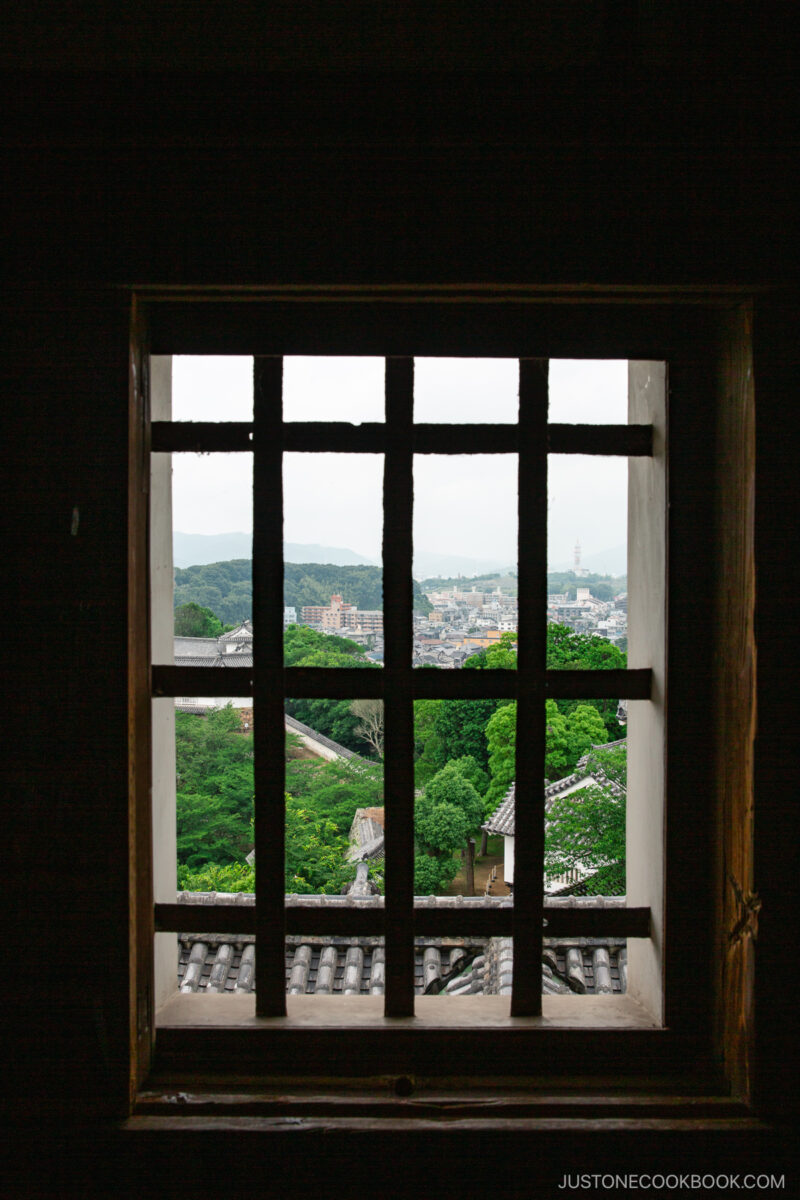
x,y
687,335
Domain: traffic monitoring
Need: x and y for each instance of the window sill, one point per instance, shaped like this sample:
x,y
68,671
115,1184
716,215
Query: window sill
x,y
187,1011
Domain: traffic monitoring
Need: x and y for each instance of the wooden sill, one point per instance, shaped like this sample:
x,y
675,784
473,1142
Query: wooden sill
x,y
190,1011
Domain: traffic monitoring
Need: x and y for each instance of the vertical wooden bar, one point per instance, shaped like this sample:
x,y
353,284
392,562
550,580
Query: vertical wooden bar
x,y
526,994
142,927
398,494
268,686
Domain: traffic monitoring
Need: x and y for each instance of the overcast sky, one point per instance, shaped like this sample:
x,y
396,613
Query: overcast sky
x,y
463,505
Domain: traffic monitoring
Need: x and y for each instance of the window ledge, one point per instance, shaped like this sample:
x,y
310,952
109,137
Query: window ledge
x,y
189,1011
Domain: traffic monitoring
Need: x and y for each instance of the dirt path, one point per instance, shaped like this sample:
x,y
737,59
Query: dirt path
x,y
483,869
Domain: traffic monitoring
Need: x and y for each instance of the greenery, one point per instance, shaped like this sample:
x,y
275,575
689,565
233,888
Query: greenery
x,y
227,588
214,789
489,582
215,808
192,620
603,587
464,764
448,811
305,647
567,650
587,827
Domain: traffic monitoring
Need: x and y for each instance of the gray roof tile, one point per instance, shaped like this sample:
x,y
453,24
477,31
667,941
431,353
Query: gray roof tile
x,y
502,819
450,966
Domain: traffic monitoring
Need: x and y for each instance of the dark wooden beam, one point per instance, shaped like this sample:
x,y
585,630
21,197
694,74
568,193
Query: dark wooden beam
x,y
334,437
599,685
224,437
357,682
201,437
350,920
621,440
526,996
269,738
398,517
202,681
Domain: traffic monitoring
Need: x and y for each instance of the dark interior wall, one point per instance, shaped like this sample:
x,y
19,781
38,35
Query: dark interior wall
x,y
611,146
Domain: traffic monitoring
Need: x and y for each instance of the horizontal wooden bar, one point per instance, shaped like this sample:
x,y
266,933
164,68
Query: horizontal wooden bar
x,y
201,437
624,440
352,921
435,684
635,684
334,437
202,681
345,683
334,683
465,439
339,437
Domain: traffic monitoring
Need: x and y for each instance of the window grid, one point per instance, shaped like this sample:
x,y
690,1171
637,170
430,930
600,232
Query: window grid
x,y
268,437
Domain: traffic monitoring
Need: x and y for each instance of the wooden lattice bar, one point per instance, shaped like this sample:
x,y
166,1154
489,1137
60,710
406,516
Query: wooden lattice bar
x,y
399,706
526,997
268,685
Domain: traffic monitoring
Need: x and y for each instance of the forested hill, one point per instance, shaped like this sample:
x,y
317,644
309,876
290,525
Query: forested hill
x,y
226,587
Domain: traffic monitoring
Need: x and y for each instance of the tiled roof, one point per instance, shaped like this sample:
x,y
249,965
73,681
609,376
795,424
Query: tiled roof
x,y
328,965
194,647
502,819
366,835
242,633
451,966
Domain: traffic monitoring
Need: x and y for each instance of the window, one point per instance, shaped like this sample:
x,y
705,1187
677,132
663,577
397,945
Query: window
x,y
649,1012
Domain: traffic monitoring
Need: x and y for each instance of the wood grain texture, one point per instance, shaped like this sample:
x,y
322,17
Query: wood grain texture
x,y
737,902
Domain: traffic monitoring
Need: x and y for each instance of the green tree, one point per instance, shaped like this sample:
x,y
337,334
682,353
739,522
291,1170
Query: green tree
x,y
433,875
460,728
315,852
428,747
213,756
233,877
214,788
501,739
587,828
567,737
211,829
468,767
445,815
461,724
334,790
558,761
192,620
567,650
304,647
585,727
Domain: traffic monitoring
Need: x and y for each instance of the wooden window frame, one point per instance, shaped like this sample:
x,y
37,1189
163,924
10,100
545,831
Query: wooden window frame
x,y
691,333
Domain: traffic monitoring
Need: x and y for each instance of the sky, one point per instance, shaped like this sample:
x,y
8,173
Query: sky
x,y
464,505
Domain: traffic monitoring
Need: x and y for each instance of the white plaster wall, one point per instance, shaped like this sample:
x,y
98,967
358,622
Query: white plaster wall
x,y
508,859
646,729
161,638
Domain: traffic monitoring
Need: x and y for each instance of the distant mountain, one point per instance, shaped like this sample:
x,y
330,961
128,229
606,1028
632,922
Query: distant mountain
x,y
199,549
227,587
429,565
297,552
606,562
